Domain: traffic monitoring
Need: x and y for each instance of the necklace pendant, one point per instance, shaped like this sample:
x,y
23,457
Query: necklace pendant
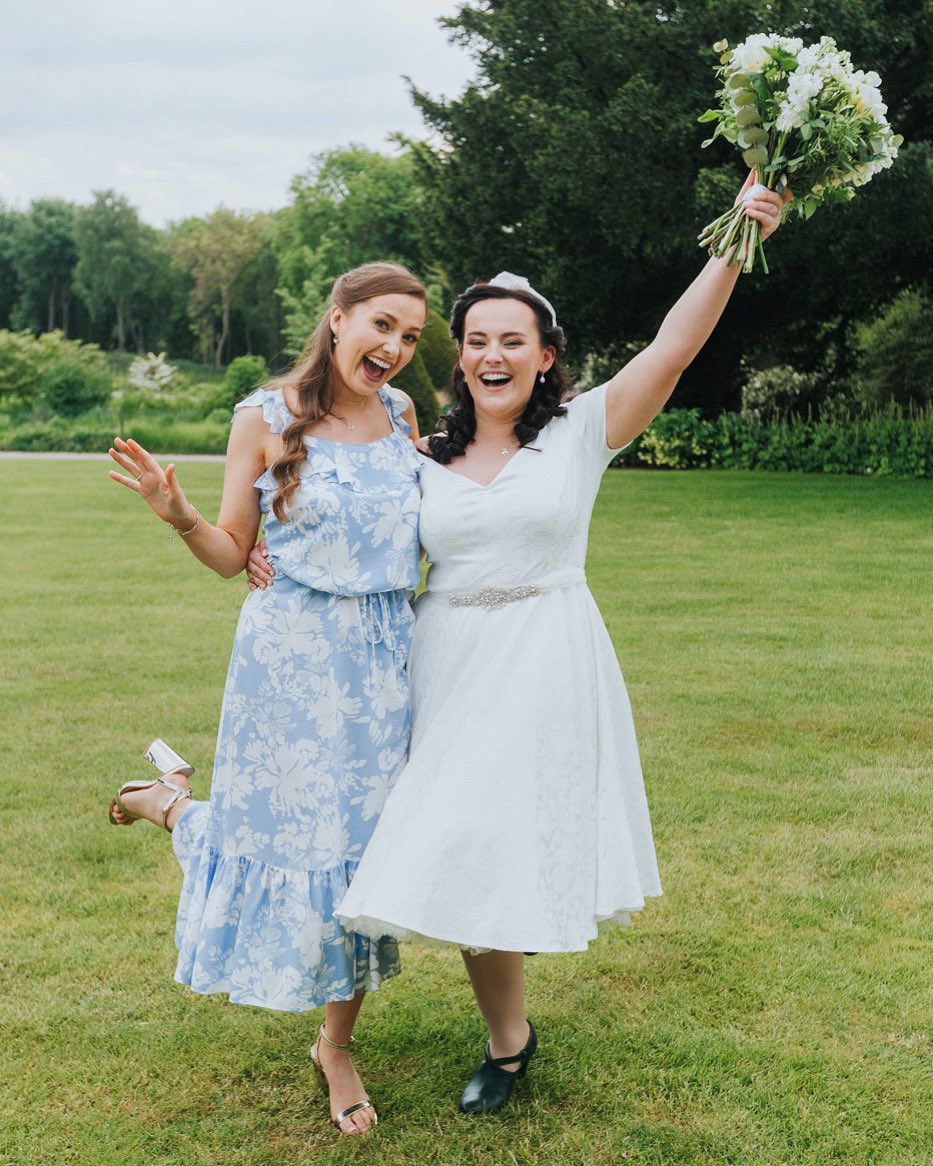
x,y
350,426
505,452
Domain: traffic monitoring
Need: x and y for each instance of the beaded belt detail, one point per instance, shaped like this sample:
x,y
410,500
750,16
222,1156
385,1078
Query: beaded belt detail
x,y
491,597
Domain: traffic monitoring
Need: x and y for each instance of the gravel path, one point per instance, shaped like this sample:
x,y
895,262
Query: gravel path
x,y
164,457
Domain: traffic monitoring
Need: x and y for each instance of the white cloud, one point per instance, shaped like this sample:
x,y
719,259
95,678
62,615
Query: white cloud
x,y
182,107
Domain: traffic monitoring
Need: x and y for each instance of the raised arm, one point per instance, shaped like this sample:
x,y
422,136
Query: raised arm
x,y
639,391
223,547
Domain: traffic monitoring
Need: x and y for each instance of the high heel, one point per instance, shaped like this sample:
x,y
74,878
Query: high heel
x,y
166,760
116,802
491,1085
358,1105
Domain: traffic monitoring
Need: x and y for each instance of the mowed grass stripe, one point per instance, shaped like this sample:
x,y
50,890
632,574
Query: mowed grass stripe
x,y
773,1007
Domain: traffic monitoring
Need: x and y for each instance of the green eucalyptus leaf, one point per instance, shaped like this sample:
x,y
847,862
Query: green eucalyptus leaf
x,y
897,141
748,116
739,81
752,136
757,156
710,115
725,58
744,97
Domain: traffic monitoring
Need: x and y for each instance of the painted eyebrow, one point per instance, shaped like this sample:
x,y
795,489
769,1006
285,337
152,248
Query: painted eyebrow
x,y
504,334
394,319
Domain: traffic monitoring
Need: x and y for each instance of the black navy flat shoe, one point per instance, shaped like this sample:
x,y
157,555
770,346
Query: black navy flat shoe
x,y
491,1085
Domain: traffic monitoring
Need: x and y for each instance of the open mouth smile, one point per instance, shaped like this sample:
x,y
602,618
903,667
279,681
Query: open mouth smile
x,y
495,380
374,368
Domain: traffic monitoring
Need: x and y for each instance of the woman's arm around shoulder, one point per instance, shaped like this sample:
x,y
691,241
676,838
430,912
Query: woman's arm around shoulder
x,y
640,390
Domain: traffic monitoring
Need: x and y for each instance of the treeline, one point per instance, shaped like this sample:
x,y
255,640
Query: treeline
x,y
574,158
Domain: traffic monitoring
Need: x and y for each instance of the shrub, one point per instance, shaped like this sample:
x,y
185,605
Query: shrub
x,y
894,360
889,443
243,374
416,382
72,386
25,359
777,392
437,350
152,373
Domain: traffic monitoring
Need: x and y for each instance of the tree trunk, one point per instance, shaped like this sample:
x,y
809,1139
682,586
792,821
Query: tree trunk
x,y
66,310
121,327
51,309
225,329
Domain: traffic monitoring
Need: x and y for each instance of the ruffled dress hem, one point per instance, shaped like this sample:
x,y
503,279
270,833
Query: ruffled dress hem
x,y
265,935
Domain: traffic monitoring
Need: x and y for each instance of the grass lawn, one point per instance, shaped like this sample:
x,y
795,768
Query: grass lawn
x,y
773,1008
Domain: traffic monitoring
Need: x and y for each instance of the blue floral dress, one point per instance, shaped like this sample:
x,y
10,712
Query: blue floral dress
x,y
313,730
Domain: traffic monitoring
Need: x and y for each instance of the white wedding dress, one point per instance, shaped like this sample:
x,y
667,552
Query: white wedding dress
x,y
520,820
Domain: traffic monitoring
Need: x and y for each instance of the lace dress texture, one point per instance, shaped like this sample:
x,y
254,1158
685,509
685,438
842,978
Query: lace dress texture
x,y
314,728
520,821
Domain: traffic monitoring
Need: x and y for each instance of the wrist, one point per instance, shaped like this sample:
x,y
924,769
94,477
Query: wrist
x,y
185,526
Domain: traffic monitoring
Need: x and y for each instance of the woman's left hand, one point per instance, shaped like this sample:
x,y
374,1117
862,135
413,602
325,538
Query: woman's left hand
x,y
766,206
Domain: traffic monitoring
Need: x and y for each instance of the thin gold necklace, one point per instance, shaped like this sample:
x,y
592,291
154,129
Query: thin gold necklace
x,y
352,426
504,450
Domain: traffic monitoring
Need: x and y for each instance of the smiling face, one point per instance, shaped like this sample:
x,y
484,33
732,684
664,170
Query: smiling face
x,y
376,338
502,356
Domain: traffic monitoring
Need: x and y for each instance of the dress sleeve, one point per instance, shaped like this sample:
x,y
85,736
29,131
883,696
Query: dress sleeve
x,y
275,412
587,416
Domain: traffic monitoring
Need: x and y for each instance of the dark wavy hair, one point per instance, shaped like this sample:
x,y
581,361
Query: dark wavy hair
x,y
460,422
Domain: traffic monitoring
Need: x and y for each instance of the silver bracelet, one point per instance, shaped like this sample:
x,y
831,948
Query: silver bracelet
x,y
185,533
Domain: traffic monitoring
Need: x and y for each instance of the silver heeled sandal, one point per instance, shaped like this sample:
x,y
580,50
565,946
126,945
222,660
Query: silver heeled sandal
x,y
179,793
358,1105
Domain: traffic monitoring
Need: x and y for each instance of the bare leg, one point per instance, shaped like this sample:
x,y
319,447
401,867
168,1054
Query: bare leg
x,y
345,1086
498,979
148,803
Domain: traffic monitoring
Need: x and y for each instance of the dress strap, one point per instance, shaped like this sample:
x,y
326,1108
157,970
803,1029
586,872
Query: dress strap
x,y
396,403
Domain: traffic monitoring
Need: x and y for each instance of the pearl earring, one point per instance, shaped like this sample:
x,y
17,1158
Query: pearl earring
x,y
541,378
333,337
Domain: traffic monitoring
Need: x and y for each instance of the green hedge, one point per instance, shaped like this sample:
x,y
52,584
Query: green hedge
x,y
892,445
156,435
889,444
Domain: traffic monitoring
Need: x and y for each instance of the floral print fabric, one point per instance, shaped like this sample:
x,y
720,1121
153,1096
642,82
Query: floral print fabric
x,y
314,728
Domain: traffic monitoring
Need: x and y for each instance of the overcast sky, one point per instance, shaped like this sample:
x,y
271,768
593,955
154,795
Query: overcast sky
x,y
182,105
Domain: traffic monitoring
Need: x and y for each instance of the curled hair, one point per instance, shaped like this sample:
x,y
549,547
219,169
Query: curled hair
x,y
460,422
313,377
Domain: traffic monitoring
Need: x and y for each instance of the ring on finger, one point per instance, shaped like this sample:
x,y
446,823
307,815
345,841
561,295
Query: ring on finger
x,y
140,477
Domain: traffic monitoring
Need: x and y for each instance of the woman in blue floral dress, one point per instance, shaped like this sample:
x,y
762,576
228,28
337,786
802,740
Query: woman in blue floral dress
x,y
315,722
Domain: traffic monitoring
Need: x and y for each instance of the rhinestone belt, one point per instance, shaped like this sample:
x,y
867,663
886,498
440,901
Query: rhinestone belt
x,y
491,597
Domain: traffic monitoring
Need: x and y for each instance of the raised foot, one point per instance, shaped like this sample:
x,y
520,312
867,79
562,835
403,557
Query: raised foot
x,y
148,803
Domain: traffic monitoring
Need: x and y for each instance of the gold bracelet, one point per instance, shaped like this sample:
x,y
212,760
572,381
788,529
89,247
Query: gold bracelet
x,y
185,533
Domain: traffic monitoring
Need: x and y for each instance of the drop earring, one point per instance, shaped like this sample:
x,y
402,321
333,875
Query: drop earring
x,y
541,379
333,337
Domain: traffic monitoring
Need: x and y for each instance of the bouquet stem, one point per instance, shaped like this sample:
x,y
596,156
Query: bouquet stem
x,y
735,238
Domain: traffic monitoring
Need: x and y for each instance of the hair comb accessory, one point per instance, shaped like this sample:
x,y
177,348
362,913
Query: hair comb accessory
x,y
512,282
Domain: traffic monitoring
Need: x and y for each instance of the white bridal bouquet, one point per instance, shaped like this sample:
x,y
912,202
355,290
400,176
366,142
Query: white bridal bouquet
x,y
803,118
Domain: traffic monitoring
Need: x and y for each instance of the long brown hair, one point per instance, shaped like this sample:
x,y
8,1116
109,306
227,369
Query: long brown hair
x,y
314,373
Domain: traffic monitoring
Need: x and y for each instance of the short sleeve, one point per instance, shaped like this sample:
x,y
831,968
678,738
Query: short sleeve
x,y
275,412
587,416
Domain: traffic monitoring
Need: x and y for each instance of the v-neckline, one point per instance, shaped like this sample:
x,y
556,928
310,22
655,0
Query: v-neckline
x,y
472,481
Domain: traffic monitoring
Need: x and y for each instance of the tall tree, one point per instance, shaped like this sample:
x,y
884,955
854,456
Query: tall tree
x,y
215,251
351,206
45,253
116,260
8,282
575,158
